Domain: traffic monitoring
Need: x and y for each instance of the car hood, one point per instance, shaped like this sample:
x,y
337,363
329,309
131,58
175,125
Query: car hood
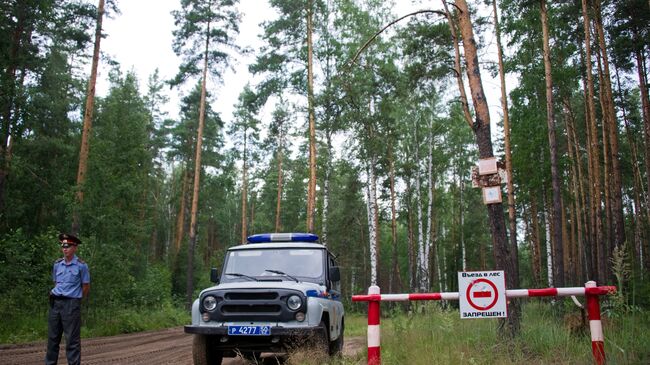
x,y
300,286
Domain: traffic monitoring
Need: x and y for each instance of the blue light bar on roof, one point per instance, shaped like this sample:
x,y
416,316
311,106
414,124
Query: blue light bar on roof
x,y
282,237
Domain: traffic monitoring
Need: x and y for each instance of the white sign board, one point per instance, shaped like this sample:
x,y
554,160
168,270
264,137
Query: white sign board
x,y
487,166
491,194
482,294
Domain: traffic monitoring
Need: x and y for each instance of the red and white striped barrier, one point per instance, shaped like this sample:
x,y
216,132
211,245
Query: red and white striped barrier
x,y
590,291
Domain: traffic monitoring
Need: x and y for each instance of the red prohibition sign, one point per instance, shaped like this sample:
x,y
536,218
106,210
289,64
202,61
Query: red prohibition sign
x,y
469,297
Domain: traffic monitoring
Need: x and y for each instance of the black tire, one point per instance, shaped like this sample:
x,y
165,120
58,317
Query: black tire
x,y
203,354
336,346
322,340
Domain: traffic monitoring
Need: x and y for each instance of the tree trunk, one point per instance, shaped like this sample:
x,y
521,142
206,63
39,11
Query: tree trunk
x,y
244,194
180,220
280,156
640,214
508,152
311,193
576,184
536,254
197,178
594,153
87,123
483,139
396,279
372,221
608,227
457,66
7,101
558,253
326,187
645,106
411,241
428,240
616,187
422,274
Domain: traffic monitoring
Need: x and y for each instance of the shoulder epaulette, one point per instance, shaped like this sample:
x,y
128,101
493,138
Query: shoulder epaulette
x,y
58,260
80,260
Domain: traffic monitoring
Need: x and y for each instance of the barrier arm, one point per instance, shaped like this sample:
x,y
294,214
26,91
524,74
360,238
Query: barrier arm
x,y
591,291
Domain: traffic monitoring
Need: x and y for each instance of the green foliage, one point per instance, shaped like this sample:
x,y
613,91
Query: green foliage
x,y
26,270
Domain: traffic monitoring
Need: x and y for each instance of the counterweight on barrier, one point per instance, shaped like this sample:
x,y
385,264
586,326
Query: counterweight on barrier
x,y
591,291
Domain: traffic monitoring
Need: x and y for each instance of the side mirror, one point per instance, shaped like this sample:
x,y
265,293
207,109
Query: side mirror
x,y
214,275
335,273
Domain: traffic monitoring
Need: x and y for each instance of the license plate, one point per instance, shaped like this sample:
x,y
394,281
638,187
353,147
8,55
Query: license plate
x,y
249,330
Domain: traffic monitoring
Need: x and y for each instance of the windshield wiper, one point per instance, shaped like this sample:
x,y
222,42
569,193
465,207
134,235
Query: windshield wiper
x,y
242,276
283,274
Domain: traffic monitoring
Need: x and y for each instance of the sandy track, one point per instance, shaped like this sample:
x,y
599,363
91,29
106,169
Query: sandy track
x,y
169,346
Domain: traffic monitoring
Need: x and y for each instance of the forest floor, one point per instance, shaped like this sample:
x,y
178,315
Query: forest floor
x,y
169,346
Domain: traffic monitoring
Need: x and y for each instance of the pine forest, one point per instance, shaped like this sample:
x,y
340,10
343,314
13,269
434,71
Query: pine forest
x,y
358,123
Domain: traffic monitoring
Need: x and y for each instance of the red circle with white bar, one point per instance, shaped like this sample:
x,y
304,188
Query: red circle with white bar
x,y
482,294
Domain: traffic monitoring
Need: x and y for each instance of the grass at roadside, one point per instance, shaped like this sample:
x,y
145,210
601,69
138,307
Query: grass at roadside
x,y
30,327
437,336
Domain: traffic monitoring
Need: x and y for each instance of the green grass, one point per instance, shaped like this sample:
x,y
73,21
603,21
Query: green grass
x,y
439,336
30,327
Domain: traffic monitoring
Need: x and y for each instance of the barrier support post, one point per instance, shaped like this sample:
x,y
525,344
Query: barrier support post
x,y
595,325
374,334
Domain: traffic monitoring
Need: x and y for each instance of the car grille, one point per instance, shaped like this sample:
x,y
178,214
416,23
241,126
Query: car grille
x,y
253,305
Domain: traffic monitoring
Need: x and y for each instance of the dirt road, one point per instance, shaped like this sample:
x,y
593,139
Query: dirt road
x,y
170,346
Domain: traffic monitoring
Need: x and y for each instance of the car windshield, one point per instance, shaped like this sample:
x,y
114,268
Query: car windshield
x,y
304,264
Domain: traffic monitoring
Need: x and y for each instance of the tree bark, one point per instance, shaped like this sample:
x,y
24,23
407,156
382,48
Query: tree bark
x,y
578,193
618,221
244,193
197,178
558,253
483,139
87,123
396,281
311,193
280,157
508,151
457,66
180,219
594,153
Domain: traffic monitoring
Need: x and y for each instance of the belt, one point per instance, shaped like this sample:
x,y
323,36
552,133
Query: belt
x,y
61,297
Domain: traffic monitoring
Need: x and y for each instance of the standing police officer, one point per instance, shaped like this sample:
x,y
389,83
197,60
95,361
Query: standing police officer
x,y
71,284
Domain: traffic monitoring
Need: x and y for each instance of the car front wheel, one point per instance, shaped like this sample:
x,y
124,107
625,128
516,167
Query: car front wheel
x,y
203,353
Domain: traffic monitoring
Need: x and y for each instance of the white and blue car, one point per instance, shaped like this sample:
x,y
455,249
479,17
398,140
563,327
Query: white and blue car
x,y
277,292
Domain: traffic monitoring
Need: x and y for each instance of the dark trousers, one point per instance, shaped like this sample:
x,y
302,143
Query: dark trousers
x,y
65,317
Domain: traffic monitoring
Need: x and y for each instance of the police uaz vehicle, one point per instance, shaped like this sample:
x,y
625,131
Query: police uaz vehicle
x,y
277,292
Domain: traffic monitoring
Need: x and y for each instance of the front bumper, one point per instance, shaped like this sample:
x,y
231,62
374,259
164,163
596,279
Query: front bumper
x,y
280,339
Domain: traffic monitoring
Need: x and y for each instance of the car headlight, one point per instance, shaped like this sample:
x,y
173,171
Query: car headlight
x,y
209,303
294,302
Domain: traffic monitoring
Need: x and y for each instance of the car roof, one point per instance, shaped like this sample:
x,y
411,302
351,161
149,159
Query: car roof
x,y
270,245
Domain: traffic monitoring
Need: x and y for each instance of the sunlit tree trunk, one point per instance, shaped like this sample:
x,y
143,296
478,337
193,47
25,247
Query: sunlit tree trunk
x,y
577,190
501,250
197,178
558,253
618,222
396,279
508,152
608,227
422,274
87,123
457,66
371,193
428,240
597,256
244,191
311,191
